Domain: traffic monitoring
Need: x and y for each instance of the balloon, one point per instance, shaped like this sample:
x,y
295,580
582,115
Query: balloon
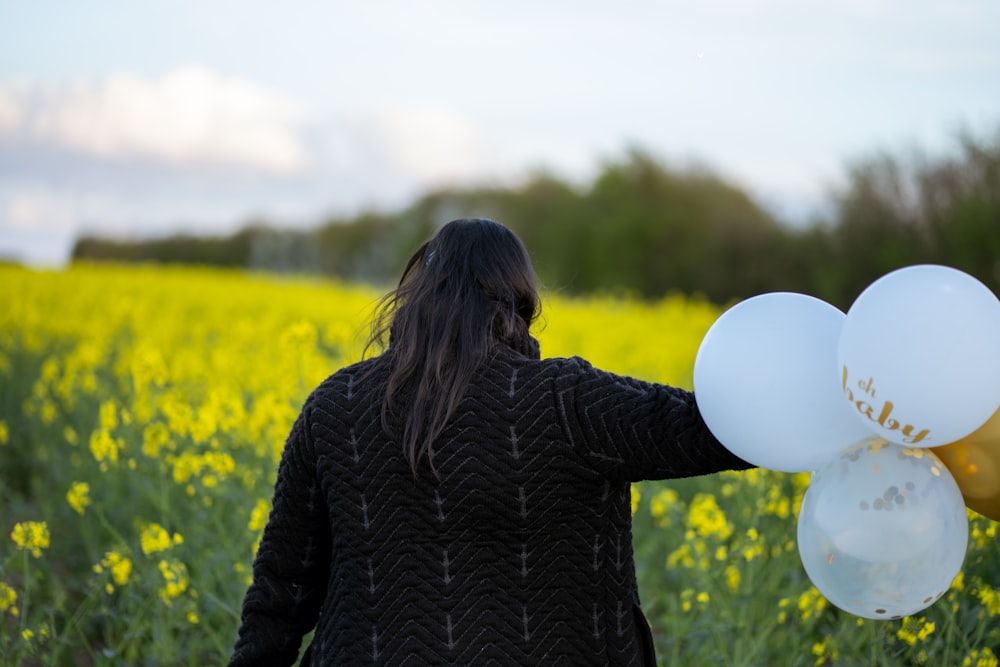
x,y
765,381
974,462
882,530
919,355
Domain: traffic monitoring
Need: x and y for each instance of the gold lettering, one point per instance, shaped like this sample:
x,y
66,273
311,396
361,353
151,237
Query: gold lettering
x,y
884,419
843,383
916,438
892,424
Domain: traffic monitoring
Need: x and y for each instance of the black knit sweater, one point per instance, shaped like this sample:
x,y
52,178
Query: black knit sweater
x,y
520,553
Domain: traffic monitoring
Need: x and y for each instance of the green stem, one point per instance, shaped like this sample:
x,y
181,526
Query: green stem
x,y
234,613
111,529
27,593
83,611
950,636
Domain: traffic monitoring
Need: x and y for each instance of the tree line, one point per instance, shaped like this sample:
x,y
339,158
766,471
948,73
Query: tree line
x,y
647,229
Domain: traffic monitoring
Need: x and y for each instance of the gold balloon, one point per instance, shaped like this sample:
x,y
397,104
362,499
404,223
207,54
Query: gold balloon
x,y
974,462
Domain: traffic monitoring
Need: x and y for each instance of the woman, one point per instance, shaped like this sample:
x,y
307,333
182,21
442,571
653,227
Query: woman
x,y
456,500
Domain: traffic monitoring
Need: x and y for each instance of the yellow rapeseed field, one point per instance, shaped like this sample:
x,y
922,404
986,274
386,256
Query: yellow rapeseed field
x,y
143,410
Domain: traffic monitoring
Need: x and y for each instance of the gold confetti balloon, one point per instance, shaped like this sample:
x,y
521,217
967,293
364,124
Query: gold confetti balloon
x,y
882,530
974,462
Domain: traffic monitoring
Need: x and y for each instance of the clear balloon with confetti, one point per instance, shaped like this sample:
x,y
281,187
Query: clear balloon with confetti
x,y
882,530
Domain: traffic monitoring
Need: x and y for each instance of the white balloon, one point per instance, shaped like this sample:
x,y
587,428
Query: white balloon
x,y
765,380
882,530
919,355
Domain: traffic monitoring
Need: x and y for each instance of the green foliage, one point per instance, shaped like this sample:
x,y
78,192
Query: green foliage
x,y
177,249
909,209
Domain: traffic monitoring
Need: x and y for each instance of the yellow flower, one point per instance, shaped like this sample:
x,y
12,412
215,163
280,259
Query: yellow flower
x,y
990,599
983,532
258,517
186,465
104,447
811,603
299,336
32,536
824,652
733,577
175,579
775,502
243,570
635,498
753,551
4,432
660,504
707,517
8,599
109,415
49,412
783,614
689,597
914,630
154,538
192,618
78,497
154,437
980,658
178,412
682,555
121,567
756,547
147,368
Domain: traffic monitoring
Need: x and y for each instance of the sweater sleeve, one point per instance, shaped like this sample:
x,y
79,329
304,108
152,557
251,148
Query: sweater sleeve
x,y
290,569
630,430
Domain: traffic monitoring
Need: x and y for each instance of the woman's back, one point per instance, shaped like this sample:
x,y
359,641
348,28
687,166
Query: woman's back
x,y
458,501
519,551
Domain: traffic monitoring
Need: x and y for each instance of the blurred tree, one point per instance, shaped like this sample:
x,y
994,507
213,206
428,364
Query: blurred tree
x,y
897,210
648,229
656,230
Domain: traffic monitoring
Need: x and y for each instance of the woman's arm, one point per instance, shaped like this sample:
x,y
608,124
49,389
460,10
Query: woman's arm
x,y
631,430
290,569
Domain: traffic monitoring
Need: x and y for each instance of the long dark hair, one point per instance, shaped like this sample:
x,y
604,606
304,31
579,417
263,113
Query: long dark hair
x,y
463,293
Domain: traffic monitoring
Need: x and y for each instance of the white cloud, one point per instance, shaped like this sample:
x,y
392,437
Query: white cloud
x,y
189,116
10,112
432,145
47,210
39,211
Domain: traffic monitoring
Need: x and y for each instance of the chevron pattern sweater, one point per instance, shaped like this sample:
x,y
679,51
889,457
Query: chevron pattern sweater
x,y
520,553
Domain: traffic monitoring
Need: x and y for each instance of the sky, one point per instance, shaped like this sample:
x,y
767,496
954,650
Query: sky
x,y
140,119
